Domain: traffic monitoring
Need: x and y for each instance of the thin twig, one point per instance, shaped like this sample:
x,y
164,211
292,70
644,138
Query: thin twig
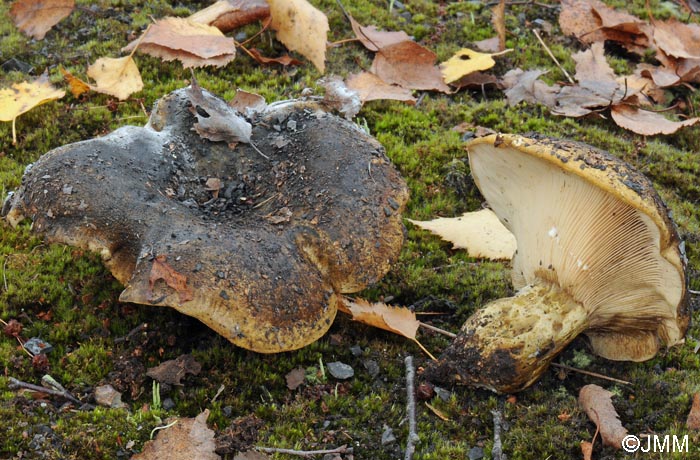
x,y
694,292
14,383
437,329
410,409
497,449
218,392
258,150
342,42
425,350
305,453
164,427
265,201
546,48
141,327
592,374
4,271
266,23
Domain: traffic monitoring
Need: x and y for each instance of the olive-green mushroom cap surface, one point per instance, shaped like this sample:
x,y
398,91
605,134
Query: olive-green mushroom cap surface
x,y
256,241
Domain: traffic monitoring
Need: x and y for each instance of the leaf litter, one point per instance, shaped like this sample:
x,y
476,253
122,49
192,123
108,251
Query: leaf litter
x,y
182,439
36,17
598,88
597,403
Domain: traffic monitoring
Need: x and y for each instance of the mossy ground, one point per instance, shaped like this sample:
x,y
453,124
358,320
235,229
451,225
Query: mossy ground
x,y
67,297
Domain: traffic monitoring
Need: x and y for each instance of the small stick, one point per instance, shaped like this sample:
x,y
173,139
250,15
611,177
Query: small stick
x,y
258,150
497,450
4,271
437,329
132,333
410,409
592,374
694,292
218,392
425,350
305,453
14,383
546,48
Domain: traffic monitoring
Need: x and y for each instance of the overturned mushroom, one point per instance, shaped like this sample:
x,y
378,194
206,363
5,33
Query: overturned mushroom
x,y
596,253
256,239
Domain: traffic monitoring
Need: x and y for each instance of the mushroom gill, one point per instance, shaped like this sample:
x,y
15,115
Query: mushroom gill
x,y
597,253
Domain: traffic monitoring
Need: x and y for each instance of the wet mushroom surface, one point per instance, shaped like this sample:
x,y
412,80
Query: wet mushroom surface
x,y
257,240
597,253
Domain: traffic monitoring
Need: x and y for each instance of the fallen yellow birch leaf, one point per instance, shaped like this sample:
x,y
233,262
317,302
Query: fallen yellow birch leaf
x,y
22,97
118,77
301,27
399,320
479,232
466,61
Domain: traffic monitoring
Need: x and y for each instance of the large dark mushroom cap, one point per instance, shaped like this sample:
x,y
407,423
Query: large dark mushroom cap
x,y
257,245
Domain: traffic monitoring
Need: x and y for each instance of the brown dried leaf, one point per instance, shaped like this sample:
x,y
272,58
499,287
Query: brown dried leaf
x,y
192,43
598,86
587,450
295,378
374,39
162,271
597,404
301,27
526,86
118,77
475,80
174,370
576,18
227,15
409,65
498,19
618,20
36,17
578,101
489,45
693,421
645,122
661,76
480,233
370,87
398,320
246,103
644,86
592,65
188,439
283,60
